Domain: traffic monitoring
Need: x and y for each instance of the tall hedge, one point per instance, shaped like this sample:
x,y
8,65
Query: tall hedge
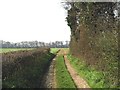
x,y
25,69
94,36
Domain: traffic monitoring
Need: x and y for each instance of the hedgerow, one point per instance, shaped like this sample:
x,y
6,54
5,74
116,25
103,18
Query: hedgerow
x,y
94,36
25,69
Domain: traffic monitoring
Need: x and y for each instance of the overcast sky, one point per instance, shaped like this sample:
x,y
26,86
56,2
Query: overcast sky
x,y
28,20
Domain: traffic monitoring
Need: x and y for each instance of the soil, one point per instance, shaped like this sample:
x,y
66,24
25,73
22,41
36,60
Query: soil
x,y
48,80
79,82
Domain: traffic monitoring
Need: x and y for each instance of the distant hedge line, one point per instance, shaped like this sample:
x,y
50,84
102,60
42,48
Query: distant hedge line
x,y
24,69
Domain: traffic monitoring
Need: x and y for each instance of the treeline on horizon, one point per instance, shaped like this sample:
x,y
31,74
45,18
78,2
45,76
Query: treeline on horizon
x,y
34,44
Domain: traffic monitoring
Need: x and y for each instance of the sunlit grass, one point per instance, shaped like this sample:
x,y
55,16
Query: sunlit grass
x,y
54,50
5,50
63,78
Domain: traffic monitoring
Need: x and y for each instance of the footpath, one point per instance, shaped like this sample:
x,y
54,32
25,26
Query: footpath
x,y
49,80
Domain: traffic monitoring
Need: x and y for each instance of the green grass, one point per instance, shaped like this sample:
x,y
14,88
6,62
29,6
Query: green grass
x,y
54,50
63,78
94,78
5,50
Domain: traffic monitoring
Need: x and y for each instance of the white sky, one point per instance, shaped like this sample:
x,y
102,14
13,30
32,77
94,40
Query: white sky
x,y
28,20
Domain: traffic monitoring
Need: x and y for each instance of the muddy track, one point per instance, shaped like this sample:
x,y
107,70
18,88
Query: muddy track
x,y
48,80
48,77
79,82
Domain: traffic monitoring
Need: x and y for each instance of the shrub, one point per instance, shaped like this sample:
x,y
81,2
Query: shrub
x,y
25,69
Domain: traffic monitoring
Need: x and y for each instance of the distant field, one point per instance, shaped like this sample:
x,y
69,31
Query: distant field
x,y
54,50
4,50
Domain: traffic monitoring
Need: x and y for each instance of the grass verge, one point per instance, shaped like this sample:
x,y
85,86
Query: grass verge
x,y
94,78
63,78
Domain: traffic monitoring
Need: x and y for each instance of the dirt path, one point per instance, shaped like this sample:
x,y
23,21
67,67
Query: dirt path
x,y
80,82
49,79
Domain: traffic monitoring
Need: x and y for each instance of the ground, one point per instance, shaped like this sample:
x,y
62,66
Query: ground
x,y
49,80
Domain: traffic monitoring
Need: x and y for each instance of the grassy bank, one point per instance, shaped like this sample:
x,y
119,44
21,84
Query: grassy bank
x,y
63,78
25,69
94,78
